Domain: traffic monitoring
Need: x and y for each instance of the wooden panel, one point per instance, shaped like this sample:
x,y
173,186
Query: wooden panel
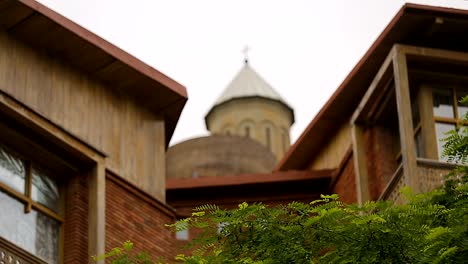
x,y
332,154
107,119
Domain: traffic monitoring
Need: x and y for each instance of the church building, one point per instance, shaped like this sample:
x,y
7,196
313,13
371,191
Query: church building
x,y
249,125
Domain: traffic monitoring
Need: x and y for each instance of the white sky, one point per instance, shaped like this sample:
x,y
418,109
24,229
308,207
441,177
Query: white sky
x,y
304,49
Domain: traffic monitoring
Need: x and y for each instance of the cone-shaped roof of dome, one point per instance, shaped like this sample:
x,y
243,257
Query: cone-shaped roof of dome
x,y
248,83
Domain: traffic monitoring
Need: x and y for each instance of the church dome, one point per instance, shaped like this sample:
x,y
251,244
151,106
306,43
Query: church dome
x,y
218,155
246,84
250,107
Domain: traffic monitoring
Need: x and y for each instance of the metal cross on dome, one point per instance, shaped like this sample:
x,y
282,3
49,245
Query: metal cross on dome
x,y
246,54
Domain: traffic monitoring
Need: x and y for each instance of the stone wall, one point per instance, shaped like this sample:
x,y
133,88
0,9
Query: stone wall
x,y
218,155
257,115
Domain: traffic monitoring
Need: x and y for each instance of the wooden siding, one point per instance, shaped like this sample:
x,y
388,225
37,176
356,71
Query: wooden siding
x,y
106,118
332,154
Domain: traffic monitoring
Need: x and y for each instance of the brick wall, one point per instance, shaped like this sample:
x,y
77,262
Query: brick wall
x,y
134,215
381,152
345,185
76,221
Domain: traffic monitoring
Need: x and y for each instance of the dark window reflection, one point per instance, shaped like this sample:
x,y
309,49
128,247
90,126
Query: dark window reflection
x,y
443,103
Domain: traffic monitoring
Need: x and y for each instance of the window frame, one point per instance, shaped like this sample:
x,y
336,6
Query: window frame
x,y
26,197
29,203
429,119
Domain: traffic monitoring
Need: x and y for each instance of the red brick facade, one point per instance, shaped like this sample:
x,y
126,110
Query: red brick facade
x,y
381,152
134,215
76,221
344,184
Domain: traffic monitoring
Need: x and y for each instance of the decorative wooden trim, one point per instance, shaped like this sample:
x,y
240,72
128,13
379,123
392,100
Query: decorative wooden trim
x,y
130,187
18,253
405,119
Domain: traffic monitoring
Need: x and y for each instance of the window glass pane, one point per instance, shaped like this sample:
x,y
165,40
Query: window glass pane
x,y
441,130
47,237
12,170
44,190
462,108
182,234
34,232
443,103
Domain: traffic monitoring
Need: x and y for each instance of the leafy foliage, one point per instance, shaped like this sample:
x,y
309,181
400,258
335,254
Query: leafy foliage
x,y
125,255
430,228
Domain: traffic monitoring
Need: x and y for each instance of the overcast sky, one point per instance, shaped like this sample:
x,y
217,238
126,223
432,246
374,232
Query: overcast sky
x,y
304,49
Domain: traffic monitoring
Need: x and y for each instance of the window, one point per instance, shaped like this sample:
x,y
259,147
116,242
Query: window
x,y
247,131
268,137
182,234
29,206
448,113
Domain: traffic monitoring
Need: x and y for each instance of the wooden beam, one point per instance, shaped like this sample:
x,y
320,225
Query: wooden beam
x,y
360,164
405,120
428,134
381,76
97,211
446,55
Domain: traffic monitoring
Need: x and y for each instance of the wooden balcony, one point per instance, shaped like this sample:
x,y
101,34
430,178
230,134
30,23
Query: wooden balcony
x,y
12,254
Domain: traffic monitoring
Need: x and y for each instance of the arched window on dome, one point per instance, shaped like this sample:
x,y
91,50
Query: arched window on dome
x,y
227,130
268,137
269,134
284,139
245,128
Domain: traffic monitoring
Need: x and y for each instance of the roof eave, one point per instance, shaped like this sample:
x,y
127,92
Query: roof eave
x,y
156,80
296,156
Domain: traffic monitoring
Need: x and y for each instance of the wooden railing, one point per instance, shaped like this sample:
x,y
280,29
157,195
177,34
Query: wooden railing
x,y
11,254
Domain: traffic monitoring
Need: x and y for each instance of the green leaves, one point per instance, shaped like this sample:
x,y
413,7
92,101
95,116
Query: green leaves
x,y
430,228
